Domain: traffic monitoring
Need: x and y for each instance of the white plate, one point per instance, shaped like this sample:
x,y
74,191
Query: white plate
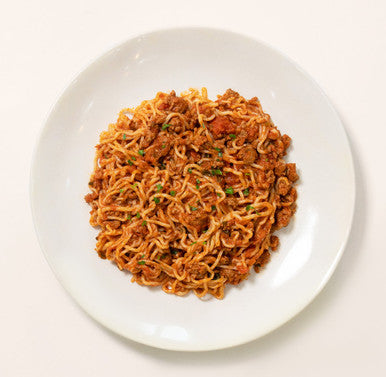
x,y
179,59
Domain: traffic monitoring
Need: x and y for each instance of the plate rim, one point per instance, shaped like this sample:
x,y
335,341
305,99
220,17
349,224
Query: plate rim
x,y
44,127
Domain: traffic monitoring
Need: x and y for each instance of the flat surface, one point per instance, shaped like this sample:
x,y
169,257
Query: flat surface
x,y
341,44
310,246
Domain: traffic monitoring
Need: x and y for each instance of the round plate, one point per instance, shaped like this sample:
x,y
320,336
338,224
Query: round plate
x,y
178,59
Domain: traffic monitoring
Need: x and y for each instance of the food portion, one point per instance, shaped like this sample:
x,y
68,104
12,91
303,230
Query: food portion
x,y
188,192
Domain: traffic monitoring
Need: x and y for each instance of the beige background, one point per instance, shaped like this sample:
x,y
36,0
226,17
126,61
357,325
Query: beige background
x,y
342,44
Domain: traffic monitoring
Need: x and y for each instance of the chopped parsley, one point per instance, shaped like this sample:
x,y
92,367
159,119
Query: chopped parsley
x,y
156,200
232,136
141,152
249,207
247,174
219,151
229,191
163,146
214,208
204,243
198,181
165,126
159,187
172,193
129,217
124,136
137,215
144,222
190,170
130,162
193,243
246,192
134,186
133,158
197,187
141,262
121,190
218,194
193,208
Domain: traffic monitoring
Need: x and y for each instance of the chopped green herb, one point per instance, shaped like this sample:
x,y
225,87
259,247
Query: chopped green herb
x,y
159,187
124,136
220,154
121,190
217,149
247,174
266,159
163,146
257,213
232,136
198,181
134,186
133,158
165,126
190,170
158,257
156,200
229,191
141,152
137,215
129,217
172,193
216,172
193,243
204,231
218,194
144,222
246,192
130,162
213,208
249,207
204,242
141,262
197,187
193,208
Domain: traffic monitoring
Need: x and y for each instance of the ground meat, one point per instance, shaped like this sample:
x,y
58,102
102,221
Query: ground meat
x,y
198,219
90,197
232,276
283,186
160,148
248,155
283,216
231,179
252,132
199,140
221,126
262,232
197,271
274,242
194,156
174,103
150,134
273,134
291,172
286,141
280,168
262,261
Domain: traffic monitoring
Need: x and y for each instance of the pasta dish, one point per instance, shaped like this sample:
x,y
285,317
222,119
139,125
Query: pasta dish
x,y
188,192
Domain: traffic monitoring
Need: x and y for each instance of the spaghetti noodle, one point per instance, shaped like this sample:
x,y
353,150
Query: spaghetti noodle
x,y
187,192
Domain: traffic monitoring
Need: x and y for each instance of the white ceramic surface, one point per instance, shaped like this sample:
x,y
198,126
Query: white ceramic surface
x,y
178,59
